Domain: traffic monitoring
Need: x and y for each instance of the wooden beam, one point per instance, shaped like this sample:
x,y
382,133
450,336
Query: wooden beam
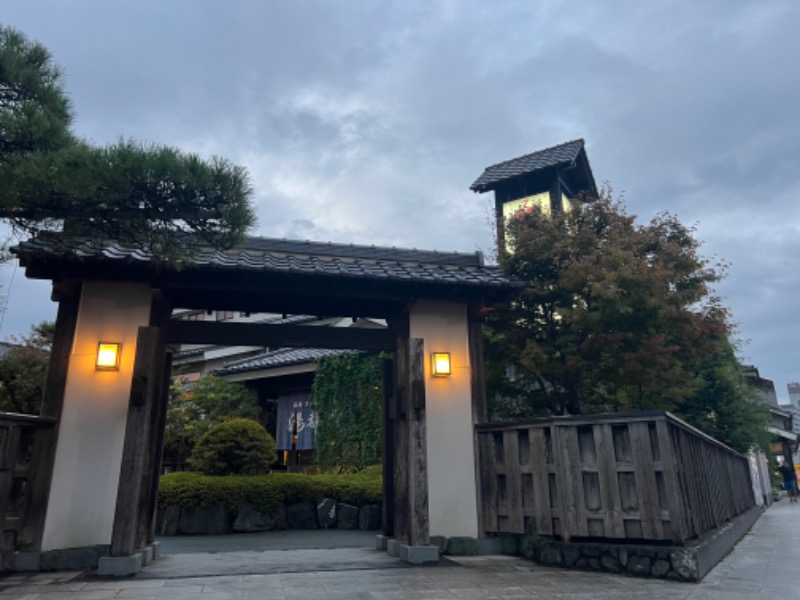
x,y
44,448
278,336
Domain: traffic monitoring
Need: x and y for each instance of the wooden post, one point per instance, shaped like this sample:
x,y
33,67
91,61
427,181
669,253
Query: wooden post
x,y
44,448
418,532
388,420
485,478
159,390
157,441
400,432
146,378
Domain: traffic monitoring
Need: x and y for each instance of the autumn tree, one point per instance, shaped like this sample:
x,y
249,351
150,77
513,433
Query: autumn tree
x,y
23,370
612,313
140,194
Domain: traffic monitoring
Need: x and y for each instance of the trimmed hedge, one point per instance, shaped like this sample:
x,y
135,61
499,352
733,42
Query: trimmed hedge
x,y
235,447
267,492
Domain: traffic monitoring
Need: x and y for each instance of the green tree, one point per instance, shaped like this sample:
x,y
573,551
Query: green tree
x,y
725,406
139,194
195,408
348,398
234,447
23,370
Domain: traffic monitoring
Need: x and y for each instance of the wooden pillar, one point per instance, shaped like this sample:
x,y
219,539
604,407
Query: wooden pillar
x,y
44,452
418,531
388,448
157,448
484,470
145,385
410,504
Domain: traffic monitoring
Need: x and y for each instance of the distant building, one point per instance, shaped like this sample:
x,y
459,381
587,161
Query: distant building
x,y
781,422
794,406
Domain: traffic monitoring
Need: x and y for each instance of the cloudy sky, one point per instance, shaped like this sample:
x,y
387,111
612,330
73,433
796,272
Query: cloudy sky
x,y
366,121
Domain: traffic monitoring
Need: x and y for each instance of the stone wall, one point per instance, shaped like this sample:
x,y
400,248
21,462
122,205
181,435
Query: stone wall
x,y
217,519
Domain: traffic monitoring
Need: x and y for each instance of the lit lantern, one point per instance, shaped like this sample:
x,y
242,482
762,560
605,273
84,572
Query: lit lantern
x,y
440,364
107,356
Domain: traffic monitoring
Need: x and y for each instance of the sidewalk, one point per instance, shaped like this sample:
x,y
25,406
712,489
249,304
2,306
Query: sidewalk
x,y
765,564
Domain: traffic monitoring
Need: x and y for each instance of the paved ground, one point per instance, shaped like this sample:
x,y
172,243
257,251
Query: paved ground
x,y
765,564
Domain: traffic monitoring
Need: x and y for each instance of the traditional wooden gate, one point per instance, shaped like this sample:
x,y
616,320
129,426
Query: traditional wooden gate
x,y
103,466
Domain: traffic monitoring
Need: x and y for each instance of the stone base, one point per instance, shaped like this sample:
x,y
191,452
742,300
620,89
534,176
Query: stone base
x,y
393,547
147,555
684,563
381,542
418,555
120,566
156,546
490,546
22,561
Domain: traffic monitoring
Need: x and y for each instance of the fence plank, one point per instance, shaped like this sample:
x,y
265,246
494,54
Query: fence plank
x,y
671,485
609,484
649,509
516,521
541,483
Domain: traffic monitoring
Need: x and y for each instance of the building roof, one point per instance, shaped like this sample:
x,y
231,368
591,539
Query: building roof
x,y
562,155
286,257
283,357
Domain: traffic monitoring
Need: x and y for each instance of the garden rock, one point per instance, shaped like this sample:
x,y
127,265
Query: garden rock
x,y
326,513
168,520
249,519
302,515
369,518
348,516
639,565
279,517
210,520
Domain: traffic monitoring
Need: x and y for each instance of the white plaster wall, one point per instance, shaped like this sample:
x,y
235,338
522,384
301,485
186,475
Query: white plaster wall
x,y
452,494
83,494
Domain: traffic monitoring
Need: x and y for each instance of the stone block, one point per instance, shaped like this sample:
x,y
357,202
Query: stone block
x,y
249,520
660,568
369,517
639,565
22,561
439,541
120,566
302,515
73,559
418,555
147,555
611,564
462,546
348,516
571,554
278,516
510,544
381,542
490,546
205,520
684,563
168,519
326,513
156,550
550,554
393,547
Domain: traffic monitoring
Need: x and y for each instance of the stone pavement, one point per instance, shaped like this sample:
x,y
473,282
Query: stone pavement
x,y
765,564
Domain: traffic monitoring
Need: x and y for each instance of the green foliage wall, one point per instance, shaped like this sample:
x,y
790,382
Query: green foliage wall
x,y
23,370
348,397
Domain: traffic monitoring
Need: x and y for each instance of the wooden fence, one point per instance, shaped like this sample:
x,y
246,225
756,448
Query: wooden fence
x,y
636,476
21,436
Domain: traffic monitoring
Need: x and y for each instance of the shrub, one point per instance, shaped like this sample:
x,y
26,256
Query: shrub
x,y
267,492
235,447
